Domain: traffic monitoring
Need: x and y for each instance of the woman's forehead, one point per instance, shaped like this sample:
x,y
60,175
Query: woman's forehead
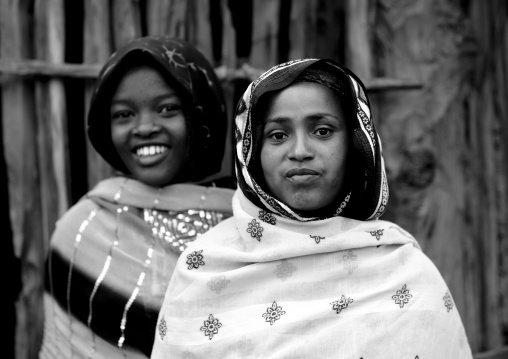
x,y
303,99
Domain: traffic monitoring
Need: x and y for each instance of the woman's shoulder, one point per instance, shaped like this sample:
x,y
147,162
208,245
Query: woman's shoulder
x,y
221,234
222,238
72,221
81,208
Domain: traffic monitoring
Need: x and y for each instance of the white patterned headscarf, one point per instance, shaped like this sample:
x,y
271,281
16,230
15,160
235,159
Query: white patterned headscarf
x,y
366,193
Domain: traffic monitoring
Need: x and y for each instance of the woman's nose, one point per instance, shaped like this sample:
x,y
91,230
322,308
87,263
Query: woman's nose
x,y
146,126
301,148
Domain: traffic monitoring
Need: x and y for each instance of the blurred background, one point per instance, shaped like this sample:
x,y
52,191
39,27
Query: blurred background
x,y
437,76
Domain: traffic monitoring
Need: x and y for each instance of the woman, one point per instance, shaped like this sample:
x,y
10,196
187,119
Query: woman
x,y
305,268
158,117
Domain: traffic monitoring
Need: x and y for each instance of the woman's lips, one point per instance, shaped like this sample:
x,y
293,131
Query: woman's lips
x,y
150,150
150,155
301,172
302,176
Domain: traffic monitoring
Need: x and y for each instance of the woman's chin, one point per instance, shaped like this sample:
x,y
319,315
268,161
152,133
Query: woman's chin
x,y
305,207
310,206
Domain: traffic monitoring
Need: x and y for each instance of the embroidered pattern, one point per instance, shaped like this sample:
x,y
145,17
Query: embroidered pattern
x,y
246,139
218,283
377,233
342,205
255,230
246,143
402,296
177,59
163,328
274,204
273,69
341,304
211,326
349,261
285,269
367,123
267,217
448,301
384,201
273,313
316,238
195,259
175,230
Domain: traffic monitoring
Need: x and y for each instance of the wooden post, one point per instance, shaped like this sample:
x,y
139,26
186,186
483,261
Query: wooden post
x,y
97,49
126,21
53,151
298,36
488,192
167,18
425,143
19,138
264,34
358,44
202,37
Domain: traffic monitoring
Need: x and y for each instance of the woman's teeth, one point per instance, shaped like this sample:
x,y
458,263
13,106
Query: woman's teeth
x,y
150,150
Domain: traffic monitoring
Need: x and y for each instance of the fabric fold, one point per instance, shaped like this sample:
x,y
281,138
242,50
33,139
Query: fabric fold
x,y
293,289
111,258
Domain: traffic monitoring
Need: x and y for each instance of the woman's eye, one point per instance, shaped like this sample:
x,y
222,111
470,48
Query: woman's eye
x,y
277,136
121,114
323,131
169,109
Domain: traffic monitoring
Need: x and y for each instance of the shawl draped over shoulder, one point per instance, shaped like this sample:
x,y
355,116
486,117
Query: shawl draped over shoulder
x,y
271,283
259,285
113,253
110,259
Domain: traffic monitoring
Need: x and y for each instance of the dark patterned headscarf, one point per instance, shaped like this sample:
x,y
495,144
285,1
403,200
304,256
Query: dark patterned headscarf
x,y
366,189
189,72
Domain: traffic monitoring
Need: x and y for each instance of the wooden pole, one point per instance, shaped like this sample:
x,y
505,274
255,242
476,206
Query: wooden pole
x,y
264,52
158,17
45,69
359,44
488,120
19,138
97,49
126,21
40,68
167,18
52,120
426,145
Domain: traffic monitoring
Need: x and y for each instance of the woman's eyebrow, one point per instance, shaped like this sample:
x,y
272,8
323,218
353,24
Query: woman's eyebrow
x,y
320,115
158,98
277,120
316,116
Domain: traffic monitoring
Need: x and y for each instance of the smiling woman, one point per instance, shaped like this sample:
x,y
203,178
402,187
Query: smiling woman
x,y
148,128
305,268
158,117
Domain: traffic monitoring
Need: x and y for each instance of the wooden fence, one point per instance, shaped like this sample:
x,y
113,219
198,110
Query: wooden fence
x,y
436,71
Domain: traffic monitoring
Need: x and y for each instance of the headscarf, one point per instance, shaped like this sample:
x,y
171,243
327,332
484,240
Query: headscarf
x,y
366,193
186,69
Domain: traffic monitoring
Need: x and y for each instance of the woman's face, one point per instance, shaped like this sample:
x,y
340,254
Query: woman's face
x,y
148,127
304,146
